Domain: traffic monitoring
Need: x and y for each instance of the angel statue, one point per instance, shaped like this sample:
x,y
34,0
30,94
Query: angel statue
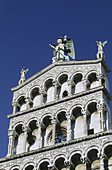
x,y
100,45
23,73
65,46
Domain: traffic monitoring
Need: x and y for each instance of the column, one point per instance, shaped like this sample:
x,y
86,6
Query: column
x,y
70,87
39,135
55,84
41,94
84,121
84,161
11,142
53,121
99,77
87,163
28,101
25,129
14,107
102,158
69,130
100,111
85,84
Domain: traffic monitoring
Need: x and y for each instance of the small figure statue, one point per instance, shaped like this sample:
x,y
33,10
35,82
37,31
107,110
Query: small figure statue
x,y
64,46
23,72
100,53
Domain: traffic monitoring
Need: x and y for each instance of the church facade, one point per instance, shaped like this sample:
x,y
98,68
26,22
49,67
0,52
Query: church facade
x,y
61,118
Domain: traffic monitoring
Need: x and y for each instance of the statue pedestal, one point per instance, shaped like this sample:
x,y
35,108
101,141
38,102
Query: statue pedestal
x,y
100,54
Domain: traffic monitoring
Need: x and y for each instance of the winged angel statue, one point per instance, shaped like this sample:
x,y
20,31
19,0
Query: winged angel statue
x,y
101,45
65,46
23,73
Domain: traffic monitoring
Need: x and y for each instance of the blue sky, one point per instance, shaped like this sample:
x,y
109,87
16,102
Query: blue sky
x,y
26,29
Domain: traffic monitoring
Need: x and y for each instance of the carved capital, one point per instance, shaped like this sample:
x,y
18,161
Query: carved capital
x,y
53,121
102,156
101,106
51,167
55,83
86,160
83,111
67,163
10,132
68,116
69,81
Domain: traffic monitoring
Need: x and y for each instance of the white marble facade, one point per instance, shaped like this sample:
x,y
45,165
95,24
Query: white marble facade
x,y
61,119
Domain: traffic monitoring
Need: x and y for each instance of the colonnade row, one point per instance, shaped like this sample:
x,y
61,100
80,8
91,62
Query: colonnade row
x,y
53,90
93,159
63,127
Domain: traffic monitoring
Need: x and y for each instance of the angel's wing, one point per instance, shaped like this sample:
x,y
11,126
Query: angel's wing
x,y
69,48
54,49
26,70
105,42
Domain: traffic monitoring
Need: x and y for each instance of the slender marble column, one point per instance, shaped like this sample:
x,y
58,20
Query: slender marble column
x,y
54,131
68,127
85,84
14,104
25,130
39,134
14,107
27,100
55,84
100,111
70,87
102,158
11,142
84,121
41,94
99,77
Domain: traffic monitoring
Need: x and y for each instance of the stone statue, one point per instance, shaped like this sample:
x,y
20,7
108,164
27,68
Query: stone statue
x,y
23,72
64,46
100,53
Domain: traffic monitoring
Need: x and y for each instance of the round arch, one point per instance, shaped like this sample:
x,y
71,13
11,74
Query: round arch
x,y
42,161
28,164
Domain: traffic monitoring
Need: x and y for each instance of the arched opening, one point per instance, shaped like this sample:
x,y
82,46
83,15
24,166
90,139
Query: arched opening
x,y
30,167
93,160
19,139
76,163
59,163
108,157
21,104
61,128
63,88
49,88
46,131
77,84
93,119
44,166
35,97
92,81
33,136
77,123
